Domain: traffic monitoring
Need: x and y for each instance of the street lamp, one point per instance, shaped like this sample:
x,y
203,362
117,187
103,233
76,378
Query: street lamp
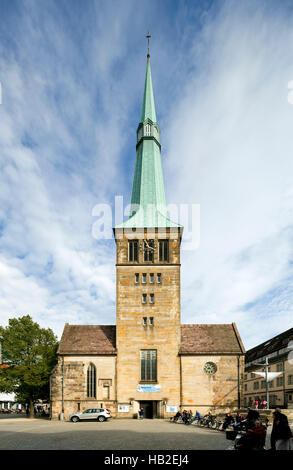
x,y
266,367
267,375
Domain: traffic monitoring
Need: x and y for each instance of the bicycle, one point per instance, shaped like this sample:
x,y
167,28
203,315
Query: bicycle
x,y
219,424
207,420
212,422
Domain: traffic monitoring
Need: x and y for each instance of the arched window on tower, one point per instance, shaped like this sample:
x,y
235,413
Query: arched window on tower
x,y
91,381
147,129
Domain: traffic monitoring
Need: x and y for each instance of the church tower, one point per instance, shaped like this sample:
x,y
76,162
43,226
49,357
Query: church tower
x,y
148,359
148,281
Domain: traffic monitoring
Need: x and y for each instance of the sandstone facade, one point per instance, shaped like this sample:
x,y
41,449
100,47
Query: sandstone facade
x,y
148,359
182,351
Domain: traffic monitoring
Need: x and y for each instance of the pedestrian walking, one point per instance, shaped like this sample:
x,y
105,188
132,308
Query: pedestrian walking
x,y
281,437
141,412
256,404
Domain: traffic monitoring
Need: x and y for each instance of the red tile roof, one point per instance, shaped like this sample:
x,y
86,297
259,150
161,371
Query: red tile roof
x,y
204,339
195,339
88,339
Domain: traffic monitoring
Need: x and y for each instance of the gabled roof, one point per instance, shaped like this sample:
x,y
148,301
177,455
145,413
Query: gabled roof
x,y
209,339
88,339
195,339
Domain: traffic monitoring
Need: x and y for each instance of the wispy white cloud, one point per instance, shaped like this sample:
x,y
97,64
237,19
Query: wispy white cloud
x,y
57,154
233,134
72,83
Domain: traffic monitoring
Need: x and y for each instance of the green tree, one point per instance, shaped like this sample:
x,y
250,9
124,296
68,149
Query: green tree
x,y
30,352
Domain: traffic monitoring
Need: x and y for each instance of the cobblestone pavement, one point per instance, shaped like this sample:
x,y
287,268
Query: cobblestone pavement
x,y
116,434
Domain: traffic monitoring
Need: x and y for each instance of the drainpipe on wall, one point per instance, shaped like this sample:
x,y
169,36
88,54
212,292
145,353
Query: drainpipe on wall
x,y
116,394
61,416
180,382
238,378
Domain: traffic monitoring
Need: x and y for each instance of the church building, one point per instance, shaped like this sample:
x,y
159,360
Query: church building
x,y
148,359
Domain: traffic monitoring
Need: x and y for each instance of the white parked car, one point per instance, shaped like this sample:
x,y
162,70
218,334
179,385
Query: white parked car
x,y
99,414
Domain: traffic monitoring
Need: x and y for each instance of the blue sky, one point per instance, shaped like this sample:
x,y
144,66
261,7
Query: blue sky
x,y
72,77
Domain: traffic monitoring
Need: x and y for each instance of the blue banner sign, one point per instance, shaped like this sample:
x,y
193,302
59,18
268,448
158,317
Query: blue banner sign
x,y
148,388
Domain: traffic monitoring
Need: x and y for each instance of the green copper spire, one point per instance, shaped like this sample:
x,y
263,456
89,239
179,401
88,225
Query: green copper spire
x,y
148,202
148,104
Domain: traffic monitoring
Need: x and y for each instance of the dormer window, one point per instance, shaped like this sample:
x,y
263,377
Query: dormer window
x,y
156,133
147,129
139,134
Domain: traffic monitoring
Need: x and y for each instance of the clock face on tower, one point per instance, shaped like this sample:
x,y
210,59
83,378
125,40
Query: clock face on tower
x,y
148,250
148,245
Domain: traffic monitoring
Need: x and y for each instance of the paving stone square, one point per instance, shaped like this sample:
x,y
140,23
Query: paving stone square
x,y
117,434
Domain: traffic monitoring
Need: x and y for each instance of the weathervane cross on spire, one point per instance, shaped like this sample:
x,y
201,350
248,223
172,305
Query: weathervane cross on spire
x,y
148,36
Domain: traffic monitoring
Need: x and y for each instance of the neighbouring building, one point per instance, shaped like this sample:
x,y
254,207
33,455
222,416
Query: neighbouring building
x,y
148,359
279,353
7,402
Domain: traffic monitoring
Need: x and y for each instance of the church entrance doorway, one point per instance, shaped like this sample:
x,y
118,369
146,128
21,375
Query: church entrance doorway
x,y
150,409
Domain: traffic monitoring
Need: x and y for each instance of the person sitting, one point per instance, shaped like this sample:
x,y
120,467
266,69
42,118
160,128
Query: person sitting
x,y
188,417
196,417
175,418
239,419
228,420
252,416
184,416
253,439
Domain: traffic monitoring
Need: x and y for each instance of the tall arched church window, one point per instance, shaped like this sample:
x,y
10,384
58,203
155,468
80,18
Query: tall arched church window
x,y
147,129
91,381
